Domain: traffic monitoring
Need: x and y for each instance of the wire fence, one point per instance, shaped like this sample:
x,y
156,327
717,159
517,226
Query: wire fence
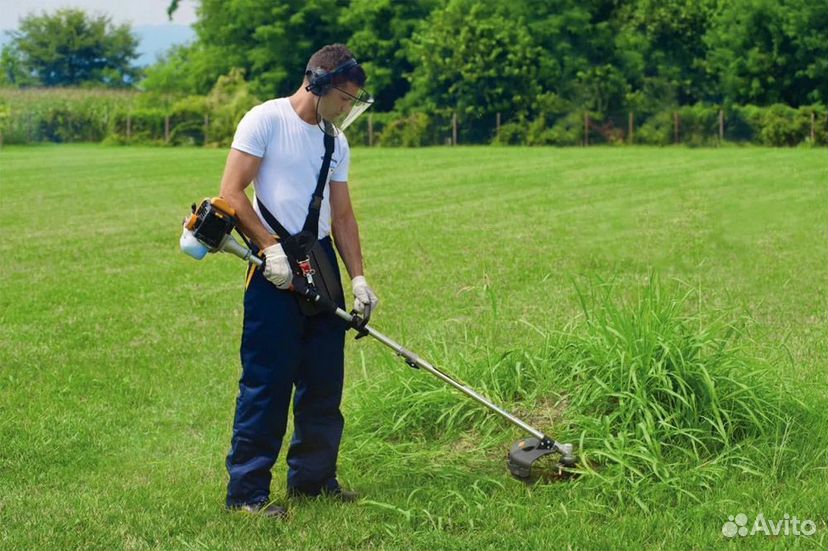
x,y
694,126
699,125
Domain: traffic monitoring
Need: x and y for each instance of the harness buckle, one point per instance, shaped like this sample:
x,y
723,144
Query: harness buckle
x,y
305,266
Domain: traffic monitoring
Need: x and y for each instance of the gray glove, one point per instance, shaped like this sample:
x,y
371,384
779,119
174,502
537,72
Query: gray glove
x,y
365,301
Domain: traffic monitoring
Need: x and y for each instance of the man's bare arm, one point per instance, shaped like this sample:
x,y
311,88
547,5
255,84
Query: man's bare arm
x,y
239,171
345,229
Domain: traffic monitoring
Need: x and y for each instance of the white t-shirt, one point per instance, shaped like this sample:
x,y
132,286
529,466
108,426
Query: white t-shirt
x,y
291,151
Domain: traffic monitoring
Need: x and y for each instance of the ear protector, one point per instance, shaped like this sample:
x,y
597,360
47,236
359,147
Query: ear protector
x,y
320,81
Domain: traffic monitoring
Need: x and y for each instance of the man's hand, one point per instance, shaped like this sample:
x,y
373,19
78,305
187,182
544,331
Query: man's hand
x,y
365,301
277,268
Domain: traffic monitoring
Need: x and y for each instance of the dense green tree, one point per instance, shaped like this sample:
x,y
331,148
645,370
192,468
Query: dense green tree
x,y
379,34
271,41
521,56
574,35
12,72
466,59
601,88
69,47
187,69
661,48
771,51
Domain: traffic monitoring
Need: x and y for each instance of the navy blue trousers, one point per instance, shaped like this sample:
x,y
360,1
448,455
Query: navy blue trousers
x,y
283,349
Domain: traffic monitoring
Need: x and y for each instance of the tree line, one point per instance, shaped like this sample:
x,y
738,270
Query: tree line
x,y
473,57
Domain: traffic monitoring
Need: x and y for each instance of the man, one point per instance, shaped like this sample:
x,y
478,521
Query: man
x,y
279,146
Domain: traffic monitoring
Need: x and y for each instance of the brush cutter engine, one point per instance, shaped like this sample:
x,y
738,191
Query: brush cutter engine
x,y
211,221
208,230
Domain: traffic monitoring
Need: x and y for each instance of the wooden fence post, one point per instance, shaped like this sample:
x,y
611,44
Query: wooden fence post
x,y
370,130
675,127
29,128
129,125
586,129
206,127
454,129
497,124
166,129
813,127
721,125
630,128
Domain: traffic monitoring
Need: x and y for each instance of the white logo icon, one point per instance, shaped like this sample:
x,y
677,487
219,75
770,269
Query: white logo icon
x,y
735,525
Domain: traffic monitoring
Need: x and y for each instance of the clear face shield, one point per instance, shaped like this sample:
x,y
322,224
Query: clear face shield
x,y
339,108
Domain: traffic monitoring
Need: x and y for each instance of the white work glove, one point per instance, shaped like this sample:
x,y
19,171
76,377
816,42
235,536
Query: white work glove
x,y
365,301
277,268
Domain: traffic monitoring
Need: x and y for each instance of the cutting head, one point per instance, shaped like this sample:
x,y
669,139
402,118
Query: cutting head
x,y
526,453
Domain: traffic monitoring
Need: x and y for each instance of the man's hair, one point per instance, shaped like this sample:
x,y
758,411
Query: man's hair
x,y
332,56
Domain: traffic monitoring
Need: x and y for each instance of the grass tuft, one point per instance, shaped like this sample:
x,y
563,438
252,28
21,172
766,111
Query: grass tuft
x,y
662,389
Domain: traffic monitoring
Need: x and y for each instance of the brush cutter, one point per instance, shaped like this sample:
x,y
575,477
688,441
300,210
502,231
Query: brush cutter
x,y
209,229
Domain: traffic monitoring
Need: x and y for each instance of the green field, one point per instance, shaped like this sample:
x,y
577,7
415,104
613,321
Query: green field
x,y
119,355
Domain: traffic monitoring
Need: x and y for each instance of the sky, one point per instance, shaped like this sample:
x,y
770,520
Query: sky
x,y
156,33
142,12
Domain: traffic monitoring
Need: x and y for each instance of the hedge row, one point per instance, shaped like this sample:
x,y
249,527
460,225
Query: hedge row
x,y
123,117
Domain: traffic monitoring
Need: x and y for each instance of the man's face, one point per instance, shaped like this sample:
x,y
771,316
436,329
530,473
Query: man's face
x,y
338,101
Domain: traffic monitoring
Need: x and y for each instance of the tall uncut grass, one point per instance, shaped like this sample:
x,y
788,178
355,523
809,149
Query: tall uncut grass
x,y
660,388
656,388
60,114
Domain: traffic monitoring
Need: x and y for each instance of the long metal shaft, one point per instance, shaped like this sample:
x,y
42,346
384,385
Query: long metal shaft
x,y
414,360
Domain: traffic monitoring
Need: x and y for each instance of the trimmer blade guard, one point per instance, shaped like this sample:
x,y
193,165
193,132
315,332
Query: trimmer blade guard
x,y
526,452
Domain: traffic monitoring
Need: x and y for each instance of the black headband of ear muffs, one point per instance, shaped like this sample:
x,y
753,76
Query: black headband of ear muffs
x,y
320,81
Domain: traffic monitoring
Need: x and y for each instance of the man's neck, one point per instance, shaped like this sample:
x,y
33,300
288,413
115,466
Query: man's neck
x,y
304,103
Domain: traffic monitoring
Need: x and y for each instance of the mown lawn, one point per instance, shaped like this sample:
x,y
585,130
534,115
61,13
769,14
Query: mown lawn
x,y
119,355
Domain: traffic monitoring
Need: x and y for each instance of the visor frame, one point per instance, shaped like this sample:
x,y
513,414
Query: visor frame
x,y
359,104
